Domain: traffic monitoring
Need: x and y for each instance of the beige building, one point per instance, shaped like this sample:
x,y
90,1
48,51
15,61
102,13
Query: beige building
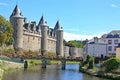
x,y
118,51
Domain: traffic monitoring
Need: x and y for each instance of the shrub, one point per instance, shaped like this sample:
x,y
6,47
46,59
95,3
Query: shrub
x,y
90,61
112,64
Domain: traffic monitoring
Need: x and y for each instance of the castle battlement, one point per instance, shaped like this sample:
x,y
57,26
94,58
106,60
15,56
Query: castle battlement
x,y
30,36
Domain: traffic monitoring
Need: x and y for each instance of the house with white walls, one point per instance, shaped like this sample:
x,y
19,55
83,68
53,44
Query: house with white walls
x,y
96,48
112,39
104,46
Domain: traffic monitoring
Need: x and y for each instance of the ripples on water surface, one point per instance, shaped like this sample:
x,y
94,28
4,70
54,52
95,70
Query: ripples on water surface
x,y
52,72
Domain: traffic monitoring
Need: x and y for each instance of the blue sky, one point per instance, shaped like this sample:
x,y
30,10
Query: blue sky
x,y
80,19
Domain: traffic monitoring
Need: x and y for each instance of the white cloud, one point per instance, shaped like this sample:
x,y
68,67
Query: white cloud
x,y
70,36
74,30
3,4
114,5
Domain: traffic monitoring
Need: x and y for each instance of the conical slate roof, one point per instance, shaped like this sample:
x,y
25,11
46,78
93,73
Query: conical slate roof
x,y
16,12
42,21
57,26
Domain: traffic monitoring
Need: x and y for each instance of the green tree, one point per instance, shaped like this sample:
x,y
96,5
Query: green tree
x,y
6,30
74,43
90,61
112,64
10,41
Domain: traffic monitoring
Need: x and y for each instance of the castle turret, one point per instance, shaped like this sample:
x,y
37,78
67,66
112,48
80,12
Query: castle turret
x,y
44,28
17,21
59,37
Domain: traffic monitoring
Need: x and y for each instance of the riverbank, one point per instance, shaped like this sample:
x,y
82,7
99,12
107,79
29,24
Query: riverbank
x,y
49,62
1,74
8,66
98,73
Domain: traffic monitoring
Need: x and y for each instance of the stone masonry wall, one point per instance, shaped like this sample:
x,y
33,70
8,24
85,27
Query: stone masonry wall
x,y
31,42
51,45
66,51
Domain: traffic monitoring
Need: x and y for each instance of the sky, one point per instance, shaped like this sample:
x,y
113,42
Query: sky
x,y
80,19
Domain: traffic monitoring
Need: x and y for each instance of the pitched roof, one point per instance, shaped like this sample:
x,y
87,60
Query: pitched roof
x,y
16,12
57,26
42,21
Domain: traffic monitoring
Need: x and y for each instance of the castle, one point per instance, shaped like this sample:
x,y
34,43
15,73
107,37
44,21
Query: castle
x,y
30,36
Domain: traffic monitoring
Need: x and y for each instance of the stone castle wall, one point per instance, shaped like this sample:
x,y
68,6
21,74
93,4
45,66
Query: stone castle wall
x,y
51,45
66,51
73,52
31,41
36,37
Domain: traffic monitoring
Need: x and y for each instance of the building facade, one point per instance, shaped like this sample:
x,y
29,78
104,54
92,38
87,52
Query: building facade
x,y
112,39
104,46
118,51
30,36
96,47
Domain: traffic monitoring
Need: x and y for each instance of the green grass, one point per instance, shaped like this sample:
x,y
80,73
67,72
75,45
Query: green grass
x,y
72,62
1,74
49,62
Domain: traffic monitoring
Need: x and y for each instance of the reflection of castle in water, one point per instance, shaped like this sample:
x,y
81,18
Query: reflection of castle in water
x,y
30,36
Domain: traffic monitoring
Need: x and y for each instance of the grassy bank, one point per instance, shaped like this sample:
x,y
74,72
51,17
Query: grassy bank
x,y
8,66
49,62
96,72
1,74
109,75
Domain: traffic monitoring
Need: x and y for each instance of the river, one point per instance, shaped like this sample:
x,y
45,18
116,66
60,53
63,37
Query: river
x,y
52,72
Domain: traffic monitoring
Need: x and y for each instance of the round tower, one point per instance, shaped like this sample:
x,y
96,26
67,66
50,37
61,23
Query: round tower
x,y
17,21
44,28
59,39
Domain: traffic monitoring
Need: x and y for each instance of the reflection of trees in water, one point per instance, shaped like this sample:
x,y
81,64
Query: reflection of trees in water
x,y
52,72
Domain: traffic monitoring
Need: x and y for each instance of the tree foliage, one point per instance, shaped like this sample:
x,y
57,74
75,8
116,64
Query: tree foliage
x,y
6,30
111,64
10,41
74,43
90,61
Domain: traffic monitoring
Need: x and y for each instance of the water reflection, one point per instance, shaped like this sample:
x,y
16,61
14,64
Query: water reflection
x,y
52,72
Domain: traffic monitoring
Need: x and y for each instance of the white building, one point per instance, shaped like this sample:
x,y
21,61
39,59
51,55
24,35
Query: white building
x,y
112,39
96,47
104,46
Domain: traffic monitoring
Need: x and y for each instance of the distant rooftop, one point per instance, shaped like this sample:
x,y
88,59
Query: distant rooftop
x,y
112,34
